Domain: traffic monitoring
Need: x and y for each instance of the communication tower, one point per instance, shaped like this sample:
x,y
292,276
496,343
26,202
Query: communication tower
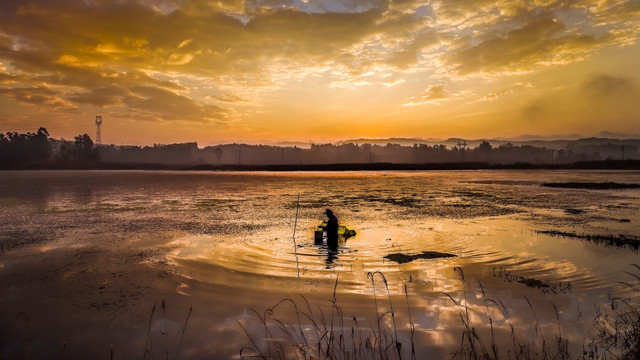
x,y
98,134
462,145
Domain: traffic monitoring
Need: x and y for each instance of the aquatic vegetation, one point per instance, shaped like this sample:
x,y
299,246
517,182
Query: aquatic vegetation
x,y
316,335
621,240
617,333
592,185
572,211
405,258
545,286
319,335
148,345
79,238
475,345
400,201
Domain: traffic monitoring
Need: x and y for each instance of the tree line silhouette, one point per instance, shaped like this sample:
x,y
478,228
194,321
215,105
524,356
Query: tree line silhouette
x,y
39,150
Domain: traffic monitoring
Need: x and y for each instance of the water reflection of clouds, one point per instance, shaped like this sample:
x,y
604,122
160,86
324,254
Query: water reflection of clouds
x,y
232,242
275,258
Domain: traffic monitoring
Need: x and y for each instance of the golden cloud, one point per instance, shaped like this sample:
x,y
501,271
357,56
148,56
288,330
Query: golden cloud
x,y
493,96
193,60
542,42
435,94
39,96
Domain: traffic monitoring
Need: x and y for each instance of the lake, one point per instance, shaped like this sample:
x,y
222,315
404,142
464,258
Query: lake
x,y
98,264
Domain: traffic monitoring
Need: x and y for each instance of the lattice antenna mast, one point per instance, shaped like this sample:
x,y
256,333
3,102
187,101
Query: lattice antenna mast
x,y
98,134
462,144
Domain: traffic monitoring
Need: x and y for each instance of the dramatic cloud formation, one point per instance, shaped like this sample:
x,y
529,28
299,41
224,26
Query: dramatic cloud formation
x,y
255,70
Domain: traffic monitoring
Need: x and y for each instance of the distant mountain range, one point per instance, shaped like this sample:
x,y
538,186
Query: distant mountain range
x,y
548,141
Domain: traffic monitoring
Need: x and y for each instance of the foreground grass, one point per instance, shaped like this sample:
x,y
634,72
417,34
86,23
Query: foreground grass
x,y
297,330
319,335
617,326
325,335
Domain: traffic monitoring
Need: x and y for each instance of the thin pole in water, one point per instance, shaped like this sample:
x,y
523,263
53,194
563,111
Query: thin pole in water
x,y
295,225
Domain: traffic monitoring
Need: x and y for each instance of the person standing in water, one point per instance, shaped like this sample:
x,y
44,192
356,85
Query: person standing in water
x,y
332,230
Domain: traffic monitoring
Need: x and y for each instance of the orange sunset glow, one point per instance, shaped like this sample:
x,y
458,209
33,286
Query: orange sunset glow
x,y
164,71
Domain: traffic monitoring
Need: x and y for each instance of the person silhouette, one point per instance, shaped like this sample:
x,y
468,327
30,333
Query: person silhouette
x,y
332,230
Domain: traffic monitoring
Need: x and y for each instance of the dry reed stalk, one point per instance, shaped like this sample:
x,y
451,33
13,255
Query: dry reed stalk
x,y
184,328
148,346
295,246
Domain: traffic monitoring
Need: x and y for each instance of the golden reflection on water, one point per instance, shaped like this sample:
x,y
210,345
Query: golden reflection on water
x,y
479,244
228,240
579,273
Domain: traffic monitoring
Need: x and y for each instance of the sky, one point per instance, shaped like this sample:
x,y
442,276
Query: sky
x,y
166,71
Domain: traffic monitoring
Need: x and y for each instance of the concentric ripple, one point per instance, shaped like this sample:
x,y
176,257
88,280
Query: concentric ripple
x,y
494,251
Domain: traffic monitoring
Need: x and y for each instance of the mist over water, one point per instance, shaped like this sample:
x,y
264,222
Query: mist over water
x,y
85,255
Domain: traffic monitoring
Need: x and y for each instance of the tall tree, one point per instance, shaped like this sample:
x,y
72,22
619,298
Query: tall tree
x,y
84,148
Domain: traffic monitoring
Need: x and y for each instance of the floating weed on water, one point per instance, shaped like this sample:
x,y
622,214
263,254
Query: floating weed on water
x,y
216,204
592,185
96,208
400,201
474,194
573,211
401,258
545,286
620,240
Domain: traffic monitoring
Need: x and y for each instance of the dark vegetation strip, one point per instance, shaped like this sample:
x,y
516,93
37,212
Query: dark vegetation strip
x,y
592,185
39,151
544,286
404,258
89,165
620,240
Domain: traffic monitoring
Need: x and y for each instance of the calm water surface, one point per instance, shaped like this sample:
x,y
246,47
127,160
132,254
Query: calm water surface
x,y
85,255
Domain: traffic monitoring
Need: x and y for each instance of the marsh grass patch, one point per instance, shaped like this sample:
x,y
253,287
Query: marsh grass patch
x,y
624,241
546,286
591,185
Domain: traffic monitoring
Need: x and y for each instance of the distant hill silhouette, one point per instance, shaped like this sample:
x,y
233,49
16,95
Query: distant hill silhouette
x,y
38,150
550,142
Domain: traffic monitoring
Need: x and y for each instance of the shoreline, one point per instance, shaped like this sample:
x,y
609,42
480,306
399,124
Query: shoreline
x,y
583,165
